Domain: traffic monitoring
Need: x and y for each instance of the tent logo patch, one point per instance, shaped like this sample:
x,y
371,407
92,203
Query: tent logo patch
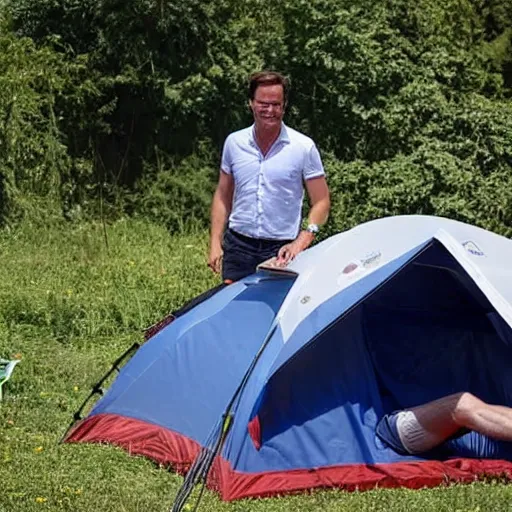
x,y
371,259
351,271
472,248
350,268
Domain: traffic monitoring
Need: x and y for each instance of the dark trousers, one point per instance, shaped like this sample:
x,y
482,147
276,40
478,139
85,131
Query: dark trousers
x,y
242,254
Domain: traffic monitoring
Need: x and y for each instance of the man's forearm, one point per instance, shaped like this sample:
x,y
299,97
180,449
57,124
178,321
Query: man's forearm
x,y
219,216
317,215
319,212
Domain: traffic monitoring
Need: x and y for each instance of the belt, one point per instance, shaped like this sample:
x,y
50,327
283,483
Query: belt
x,y
250,239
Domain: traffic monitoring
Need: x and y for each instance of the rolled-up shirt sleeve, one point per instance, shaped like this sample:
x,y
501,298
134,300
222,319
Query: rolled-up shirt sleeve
x,y
313,167
225,163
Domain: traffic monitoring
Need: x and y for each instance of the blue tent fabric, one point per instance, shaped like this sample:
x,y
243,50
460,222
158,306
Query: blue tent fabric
x,y
476,445
339,304
165,377
421,325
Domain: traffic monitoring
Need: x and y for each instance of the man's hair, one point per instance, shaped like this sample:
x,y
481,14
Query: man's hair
x,y
268,78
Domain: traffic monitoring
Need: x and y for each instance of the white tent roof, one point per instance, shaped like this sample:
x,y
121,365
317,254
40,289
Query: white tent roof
x,y
340,261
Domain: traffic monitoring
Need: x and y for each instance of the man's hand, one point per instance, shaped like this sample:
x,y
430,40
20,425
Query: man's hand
x,y
288,252
215,258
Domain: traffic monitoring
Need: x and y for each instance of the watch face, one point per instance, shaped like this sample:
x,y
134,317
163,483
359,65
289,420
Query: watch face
x,y
312,228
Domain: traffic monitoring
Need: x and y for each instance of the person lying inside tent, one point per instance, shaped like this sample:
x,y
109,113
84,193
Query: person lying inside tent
x,y
460,424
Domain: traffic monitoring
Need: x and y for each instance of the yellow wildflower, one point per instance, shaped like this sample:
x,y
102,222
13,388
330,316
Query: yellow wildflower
x,y
75,388
38,449
40,499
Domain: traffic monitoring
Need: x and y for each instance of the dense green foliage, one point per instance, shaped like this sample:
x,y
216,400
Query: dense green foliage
x,y
110,106
68,315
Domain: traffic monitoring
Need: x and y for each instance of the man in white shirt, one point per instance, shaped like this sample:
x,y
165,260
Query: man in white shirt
x,y
261,186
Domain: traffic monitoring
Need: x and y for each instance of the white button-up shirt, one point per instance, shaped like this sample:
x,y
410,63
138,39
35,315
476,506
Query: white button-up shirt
x,y
269,189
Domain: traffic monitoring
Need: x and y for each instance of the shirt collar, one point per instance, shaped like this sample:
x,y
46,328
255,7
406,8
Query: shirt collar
x,y
282,139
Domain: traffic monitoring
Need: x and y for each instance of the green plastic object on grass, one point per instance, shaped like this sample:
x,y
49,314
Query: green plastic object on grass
x,y
6,369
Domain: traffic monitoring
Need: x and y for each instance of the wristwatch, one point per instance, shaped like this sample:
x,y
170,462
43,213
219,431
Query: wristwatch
x,y
313,228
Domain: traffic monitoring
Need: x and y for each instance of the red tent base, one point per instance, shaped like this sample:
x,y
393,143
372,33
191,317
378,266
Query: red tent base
x,y
169,448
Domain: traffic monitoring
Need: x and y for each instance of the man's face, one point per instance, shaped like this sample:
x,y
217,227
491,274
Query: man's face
x,y
268,106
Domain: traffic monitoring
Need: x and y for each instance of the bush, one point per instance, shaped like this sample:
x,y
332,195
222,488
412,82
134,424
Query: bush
x,y
178,196
459,167
34,159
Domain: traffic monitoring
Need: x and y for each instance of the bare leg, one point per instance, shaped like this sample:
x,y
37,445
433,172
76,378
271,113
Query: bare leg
x,y
438,416
448,414
494,421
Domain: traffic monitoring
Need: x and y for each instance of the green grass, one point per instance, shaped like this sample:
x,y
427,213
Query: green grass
x,y
68,307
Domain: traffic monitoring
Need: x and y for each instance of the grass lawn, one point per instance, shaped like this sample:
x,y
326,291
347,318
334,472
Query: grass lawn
x,y
69,305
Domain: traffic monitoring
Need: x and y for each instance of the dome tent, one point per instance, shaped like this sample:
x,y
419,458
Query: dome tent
x,y
286,373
